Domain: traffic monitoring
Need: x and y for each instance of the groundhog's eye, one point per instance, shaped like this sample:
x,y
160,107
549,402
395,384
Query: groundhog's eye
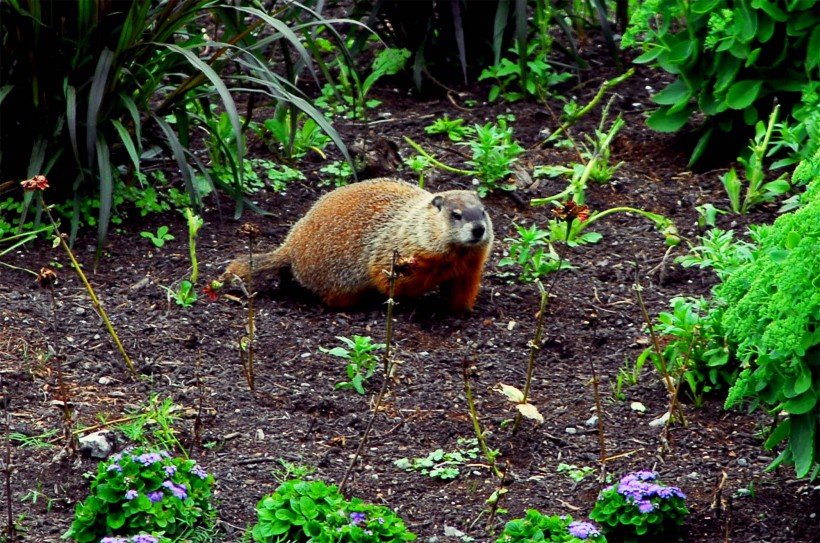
x,y
456,215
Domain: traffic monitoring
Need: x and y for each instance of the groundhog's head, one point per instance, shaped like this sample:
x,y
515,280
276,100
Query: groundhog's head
x,y
467,220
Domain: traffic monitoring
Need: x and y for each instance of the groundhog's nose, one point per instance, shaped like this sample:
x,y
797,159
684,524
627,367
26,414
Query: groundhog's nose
x,y
478,231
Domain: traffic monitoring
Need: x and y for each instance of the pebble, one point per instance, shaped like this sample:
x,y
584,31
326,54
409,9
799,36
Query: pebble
x,y
260,434
742,462
592,421
571,430
105,380
79,311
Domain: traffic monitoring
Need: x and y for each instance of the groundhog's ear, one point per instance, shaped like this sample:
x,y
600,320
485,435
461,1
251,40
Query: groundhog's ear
x,y
438,201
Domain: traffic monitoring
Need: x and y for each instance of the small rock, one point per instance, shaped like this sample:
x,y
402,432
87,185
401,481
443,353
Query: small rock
x,y
742,462
571,430
260,434
660,421
80,311
98,445
592,421
105,380
638,406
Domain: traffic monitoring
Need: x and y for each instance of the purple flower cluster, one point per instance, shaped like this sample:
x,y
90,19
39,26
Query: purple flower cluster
x,y
139,538
177,490
114,467
357,518
155,496
131,494
638,488
199,472
170,470
583,530
147,459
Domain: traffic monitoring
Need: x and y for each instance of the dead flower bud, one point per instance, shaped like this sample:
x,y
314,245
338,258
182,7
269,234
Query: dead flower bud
x,y
38,182
569,211
249,229
212,290
47,277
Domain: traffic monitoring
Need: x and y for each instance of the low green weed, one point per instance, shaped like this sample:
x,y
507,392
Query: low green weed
x,y
440,464
536,526
41,441
640,508
575,473
534,254
494,153
515,80
311,511
144,490
339,173
452,127
276,133
757,190
153,423
160,237
361,357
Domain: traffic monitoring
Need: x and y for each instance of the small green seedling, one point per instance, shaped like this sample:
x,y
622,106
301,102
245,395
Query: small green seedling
x,y
361,360
160,237
442,465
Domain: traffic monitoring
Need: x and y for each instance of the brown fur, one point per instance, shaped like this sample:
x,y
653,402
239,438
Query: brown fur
x,y
344,244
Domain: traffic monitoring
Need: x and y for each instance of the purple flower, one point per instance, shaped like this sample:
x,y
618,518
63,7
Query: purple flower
x,y
113,540
199,472
147,459
667,492
131,494
177,490
114,467
356,518
380,520
583,530
170,470
144,538
645,475
645,506
155,496
165,454
117,457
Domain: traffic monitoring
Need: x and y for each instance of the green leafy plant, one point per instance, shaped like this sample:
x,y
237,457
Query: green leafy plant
x,y
640,508
771,313
144,490
729,58
532,75
160,237
452,127
152,424
532,251
575,473
720,251
340,174
354,96
105,101
361,360
757,190
41,441
440,464
494,153
311,511
536,526
288,139
695,347
138,538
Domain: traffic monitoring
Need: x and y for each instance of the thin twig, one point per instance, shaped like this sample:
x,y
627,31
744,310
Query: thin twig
x,y
388,369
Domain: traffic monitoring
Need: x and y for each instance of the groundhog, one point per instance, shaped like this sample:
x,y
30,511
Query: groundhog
x,y
343,247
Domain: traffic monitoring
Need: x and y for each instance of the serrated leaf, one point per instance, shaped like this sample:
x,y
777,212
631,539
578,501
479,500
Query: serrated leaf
x,y
742,94
801,443
512,393
530,411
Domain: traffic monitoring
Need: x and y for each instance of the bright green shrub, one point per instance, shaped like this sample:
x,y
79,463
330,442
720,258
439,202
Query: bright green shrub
x,y
313,512
536,526
730,58
773,315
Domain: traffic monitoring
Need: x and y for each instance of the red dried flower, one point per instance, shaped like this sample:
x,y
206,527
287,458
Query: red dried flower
x,y
569,211
47,277
212,290
38,182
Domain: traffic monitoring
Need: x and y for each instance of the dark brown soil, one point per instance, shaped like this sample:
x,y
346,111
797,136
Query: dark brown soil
x,y
296,414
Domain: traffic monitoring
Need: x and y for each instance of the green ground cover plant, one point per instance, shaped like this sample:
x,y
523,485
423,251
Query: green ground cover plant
x,y
313,512
144,490
536,526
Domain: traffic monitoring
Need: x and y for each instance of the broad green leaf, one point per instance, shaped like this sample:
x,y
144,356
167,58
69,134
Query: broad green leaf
x,y
674,93
530,411
125,137
743,93
661,121
512,393
813,48
704,6
648,56
802,442
801,404
115,519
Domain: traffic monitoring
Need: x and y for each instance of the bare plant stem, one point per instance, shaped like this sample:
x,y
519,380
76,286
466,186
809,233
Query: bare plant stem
x,y
656,346
496,499
468,392
535,347
97,305
249,373
11,534
388,370
599,412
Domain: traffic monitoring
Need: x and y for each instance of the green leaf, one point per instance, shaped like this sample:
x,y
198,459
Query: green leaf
x,y
115,519
801,404
674,93
813,48
649,56
704,6
801,442
662,121
743,93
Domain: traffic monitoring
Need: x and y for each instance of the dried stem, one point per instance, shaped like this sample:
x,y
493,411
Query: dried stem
x,y
599,412
656,346
468,392
535,347
249,373
11,534
388,369
97,305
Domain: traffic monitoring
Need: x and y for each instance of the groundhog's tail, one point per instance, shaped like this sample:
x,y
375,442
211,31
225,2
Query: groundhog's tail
x,y
265,267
